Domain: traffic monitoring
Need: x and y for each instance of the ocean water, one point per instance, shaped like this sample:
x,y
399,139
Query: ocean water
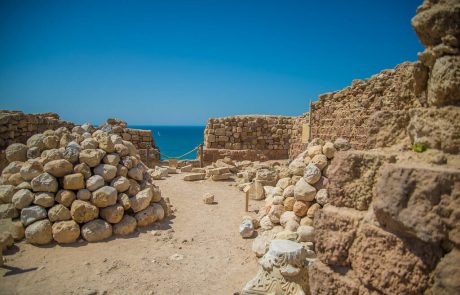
x,y
175,141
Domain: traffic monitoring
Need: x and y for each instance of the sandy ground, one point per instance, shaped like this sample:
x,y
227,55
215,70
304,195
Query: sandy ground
x,y
211,257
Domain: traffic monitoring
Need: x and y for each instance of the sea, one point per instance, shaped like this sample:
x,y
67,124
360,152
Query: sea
x,y
175,141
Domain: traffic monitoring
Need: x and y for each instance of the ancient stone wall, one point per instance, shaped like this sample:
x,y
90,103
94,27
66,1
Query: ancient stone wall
x,y
252,137
392,226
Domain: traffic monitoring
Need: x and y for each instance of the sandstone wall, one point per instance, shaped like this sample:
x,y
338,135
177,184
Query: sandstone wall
x,y
252,137
297,145
393,225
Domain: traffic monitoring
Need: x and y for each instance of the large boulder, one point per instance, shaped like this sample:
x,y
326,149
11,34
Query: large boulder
x,y
141,200
112,214
8,211
22,198
91,157
120,183
94,182
16,152
126,226
6,193
74,181
104,197
44,183
31,169
312,173
58,168
96,230
304,191
45,200
39,232
108,172
82,211
158,210
31,214
37,141
58,213
146,216
65,232
65,197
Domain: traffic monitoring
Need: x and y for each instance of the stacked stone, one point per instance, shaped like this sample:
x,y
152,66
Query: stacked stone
x,y
87,182
249,132
293,195
17,127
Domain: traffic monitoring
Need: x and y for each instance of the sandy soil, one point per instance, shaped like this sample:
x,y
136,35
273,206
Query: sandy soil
x,y
211,257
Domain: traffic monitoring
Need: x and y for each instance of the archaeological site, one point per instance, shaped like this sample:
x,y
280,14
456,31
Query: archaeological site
x,y
359,194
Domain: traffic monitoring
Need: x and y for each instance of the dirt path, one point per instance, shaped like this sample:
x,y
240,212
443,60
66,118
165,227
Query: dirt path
x,y
212,257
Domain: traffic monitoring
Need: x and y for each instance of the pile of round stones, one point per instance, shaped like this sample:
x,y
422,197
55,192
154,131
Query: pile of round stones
x,y
88,182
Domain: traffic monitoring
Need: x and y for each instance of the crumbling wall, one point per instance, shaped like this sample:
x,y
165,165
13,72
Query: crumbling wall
x,y
252,137
298,144
392,226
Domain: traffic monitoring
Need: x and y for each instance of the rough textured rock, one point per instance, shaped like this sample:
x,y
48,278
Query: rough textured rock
x,y
91,157
419,201
45,200
44,183
126,226
59,213
104,197
304,191
22,198
108,172
323,280
31,169
246,228
300,208
7,193
208,198
391,265
436,128
65,197
112,214
159,211
39,232
8,211
444,82
120,183
15,228
94,182
84,195
65,232
96,230
58,168
31,214
74,181
352,175
141,200
16,152
335,232
146,216
447,273
312,173
82,211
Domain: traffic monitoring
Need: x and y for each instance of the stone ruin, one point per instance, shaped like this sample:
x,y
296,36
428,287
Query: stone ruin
x,y
88,182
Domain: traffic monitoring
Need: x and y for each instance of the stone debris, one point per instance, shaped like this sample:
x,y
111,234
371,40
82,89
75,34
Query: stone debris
x,y
80,183
208,198
246,228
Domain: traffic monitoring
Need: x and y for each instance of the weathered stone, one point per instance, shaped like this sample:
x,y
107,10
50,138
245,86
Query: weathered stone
x,y
104,197
83,169
288,216
15,228
108,172
283,183
208,198
134,187
58,168
146,216
45,200
91,157
322,197
297,167
22,198
275,213
8,211
126,226
324,280
194,176
289,203
419,201
304,191
120,183
123,200
156,195
31,214
159,211
391,265
135,173
312,173
74,181
267,177
112,214
329,150
94,182
256,190
37,140
141,200
446,274
300,208
6,193
246,228
58,213
65,232
39,232
44,183
289,192
312,210
82,211
16,152
444,82
96,230
319,161
65,197
89,143
30,170
260,245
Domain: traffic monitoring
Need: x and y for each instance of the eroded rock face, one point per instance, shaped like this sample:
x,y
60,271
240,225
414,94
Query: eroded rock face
x,y
444,82
447,273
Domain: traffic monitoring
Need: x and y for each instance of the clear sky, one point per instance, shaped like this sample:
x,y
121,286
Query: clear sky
x,y
181,62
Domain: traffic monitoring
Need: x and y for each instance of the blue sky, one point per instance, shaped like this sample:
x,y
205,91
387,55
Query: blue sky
x,y
181,62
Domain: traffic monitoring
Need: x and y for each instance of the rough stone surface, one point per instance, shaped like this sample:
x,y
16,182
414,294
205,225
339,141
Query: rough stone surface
x,y
94,182
141,200
126,226
112,214
304,191
45,200
108,172
31,214
44,183
16,152
58,213
104,197
82,211
74,181
65,232
39,232
447,273
58,168
96,230
65,197
146,216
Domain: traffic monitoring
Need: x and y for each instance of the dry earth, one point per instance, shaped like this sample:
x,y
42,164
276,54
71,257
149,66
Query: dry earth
x,y
211,256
